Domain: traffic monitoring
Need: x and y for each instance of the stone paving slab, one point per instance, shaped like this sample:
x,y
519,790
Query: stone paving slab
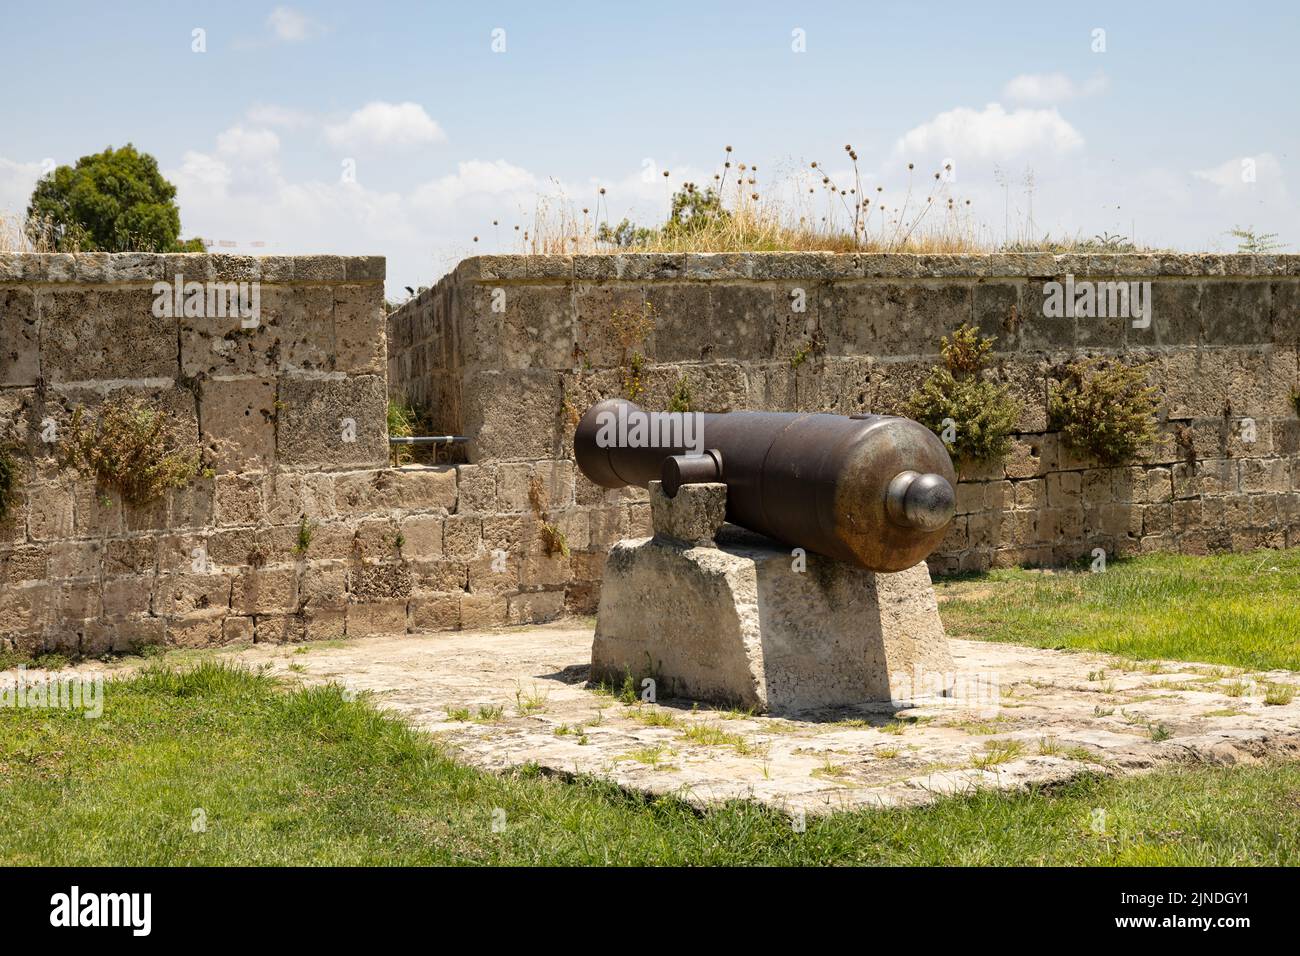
x,y
502,699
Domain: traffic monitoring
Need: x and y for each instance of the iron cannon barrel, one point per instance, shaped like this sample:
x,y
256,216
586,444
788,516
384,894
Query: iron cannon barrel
x,y
877,491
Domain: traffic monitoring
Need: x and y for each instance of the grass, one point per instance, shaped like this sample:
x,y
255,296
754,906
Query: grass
x,y
1233,609
709,735
813,206
310,777
298,776
997,752
1279,695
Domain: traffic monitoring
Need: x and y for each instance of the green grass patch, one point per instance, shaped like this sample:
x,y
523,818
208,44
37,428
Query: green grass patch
x,y
216,765
1234,609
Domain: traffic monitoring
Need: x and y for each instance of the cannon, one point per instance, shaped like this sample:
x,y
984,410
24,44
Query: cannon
x,y
876,491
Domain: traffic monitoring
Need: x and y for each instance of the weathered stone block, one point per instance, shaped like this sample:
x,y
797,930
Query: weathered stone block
x,y
693,517
1235,313
238,499
288,497
325,624
199,595
195,632
332,422
513,414
109,334
323,585
436,611
98,511
495,572
535,607
238,422
476,488
422,537
125,597
50,513
19,338
280,629
359,344
265,591
483,610
734,624
376,618
537,326
237,630
375,582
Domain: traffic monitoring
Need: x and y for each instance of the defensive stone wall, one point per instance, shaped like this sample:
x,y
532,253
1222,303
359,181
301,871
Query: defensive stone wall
x,y
511,349
301,530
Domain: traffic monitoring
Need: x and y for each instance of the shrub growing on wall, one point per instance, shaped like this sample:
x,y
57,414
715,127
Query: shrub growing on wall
x,y
8,479
134,446
631,328
974,416
1103,408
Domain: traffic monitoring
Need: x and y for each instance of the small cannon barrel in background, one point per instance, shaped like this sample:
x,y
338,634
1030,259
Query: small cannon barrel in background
x,y
873,490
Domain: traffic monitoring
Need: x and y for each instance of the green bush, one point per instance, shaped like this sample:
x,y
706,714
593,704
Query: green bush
x,y
134,446
1103,408
973,415
681,400
8,479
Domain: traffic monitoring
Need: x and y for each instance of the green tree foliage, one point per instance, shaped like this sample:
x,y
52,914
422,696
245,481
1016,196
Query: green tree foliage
x,y
114,201
693,210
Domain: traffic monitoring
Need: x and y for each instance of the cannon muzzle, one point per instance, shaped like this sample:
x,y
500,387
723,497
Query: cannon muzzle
x,y
873,490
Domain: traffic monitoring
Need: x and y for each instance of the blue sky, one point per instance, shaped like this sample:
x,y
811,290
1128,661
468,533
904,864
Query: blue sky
x,y
1147,138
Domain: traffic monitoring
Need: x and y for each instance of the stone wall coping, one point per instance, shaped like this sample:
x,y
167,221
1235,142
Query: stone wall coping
x,y
135,267
727,266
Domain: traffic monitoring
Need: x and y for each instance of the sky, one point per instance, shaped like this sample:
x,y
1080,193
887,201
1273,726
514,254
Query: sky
x,y
404,129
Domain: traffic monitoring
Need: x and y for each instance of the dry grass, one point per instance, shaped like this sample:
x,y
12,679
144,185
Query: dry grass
x,y
28,235
805,208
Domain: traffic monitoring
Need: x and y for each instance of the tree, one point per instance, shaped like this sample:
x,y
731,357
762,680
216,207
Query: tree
x,y
695,210
114,201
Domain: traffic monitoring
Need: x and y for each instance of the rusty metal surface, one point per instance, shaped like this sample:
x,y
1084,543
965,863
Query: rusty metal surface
x,y
816,481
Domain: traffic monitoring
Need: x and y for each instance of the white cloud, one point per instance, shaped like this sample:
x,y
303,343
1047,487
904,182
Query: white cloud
x,y
250,145
290,25
268,114
386,124
991,133
17,180
475,177
1243,173
1051,87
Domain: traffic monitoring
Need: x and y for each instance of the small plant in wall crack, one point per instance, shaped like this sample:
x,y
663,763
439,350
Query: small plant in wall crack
x,y
8,479
305,530
681,400
134,446
631,328
973,415
554,540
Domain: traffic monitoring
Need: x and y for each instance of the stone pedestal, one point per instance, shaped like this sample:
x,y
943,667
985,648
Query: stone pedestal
x,y
715,613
